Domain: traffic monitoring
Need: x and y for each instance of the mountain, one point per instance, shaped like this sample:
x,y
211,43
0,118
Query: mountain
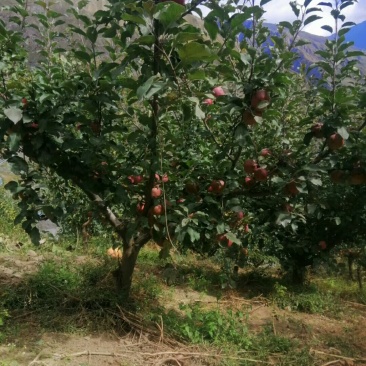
x,y
307,53
357,34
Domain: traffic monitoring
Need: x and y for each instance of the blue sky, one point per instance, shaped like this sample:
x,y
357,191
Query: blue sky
x,y
278,10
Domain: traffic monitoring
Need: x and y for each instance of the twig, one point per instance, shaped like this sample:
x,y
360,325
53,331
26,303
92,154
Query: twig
x,y
36,359
338,356
166,353
258,307
354,303
274,327
331,363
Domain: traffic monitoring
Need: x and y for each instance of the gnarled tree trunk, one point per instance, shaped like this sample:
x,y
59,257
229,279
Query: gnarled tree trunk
x,y
126,266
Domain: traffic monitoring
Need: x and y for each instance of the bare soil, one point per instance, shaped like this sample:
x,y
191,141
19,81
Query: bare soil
x,y
340,341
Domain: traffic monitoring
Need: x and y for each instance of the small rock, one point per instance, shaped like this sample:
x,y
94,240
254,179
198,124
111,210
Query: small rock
x,y
32,253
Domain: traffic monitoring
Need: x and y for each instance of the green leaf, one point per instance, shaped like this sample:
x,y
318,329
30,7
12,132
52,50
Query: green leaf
x,y
193,234
211,28
199,112
133,18
311,19
168,13
343,132
240,135
325,4
337,220
295,8
14,141
231,236
18,165
316,182
194,51
14,114
327,28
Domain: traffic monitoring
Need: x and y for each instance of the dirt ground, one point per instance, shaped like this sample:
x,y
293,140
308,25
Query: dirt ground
x,y
34,347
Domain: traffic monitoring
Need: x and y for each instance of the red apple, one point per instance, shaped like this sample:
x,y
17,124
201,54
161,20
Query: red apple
x,y
138,179
265,152
250,166
131,178
317,130
229,243
34,125
322,245
246,229
260,174
156,192
140,207
218,91
287,207
221,237
240,215
260,100
208,101
335,141
291,189
248,117
165,178
24,101
357,177
337,176
180,200
157,177
95,126
217,186
192,187
249,182
158,210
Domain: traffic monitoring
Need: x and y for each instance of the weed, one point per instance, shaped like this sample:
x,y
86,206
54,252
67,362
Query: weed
x,y
209,326
307,299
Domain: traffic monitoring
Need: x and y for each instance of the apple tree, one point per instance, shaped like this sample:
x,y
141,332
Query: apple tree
x,y
180,129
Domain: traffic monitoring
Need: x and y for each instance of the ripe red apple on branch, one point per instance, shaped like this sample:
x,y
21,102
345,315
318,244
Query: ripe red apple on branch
x,y
260,100
335,141
208,101
250,166
218,91
216,186
249,182
357,177
261,174
338,176
291,189
317,130
322,245
192,187
156,192
265,152
248,117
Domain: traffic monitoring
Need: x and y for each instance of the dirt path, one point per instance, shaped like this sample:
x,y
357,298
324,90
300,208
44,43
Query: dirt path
x,y
32,346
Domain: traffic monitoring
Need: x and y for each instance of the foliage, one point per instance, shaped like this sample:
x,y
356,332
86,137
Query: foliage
x,y
121,121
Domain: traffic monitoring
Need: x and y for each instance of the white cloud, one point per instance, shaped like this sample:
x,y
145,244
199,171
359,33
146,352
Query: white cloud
x,y
278,10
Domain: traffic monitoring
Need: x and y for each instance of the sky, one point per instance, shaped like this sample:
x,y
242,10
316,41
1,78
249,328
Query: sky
x,y
278,10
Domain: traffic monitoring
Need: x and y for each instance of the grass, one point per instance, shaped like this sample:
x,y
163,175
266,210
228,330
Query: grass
x,y
63,297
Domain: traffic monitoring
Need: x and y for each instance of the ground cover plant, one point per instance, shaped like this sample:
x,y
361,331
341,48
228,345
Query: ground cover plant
x,y
141,124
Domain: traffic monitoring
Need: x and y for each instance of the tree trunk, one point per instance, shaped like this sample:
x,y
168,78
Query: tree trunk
x,y
126,266
125,269
299,275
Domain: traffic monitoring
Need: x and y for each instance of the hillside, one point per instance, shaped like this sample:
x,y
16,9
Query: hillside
x,y
307,53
